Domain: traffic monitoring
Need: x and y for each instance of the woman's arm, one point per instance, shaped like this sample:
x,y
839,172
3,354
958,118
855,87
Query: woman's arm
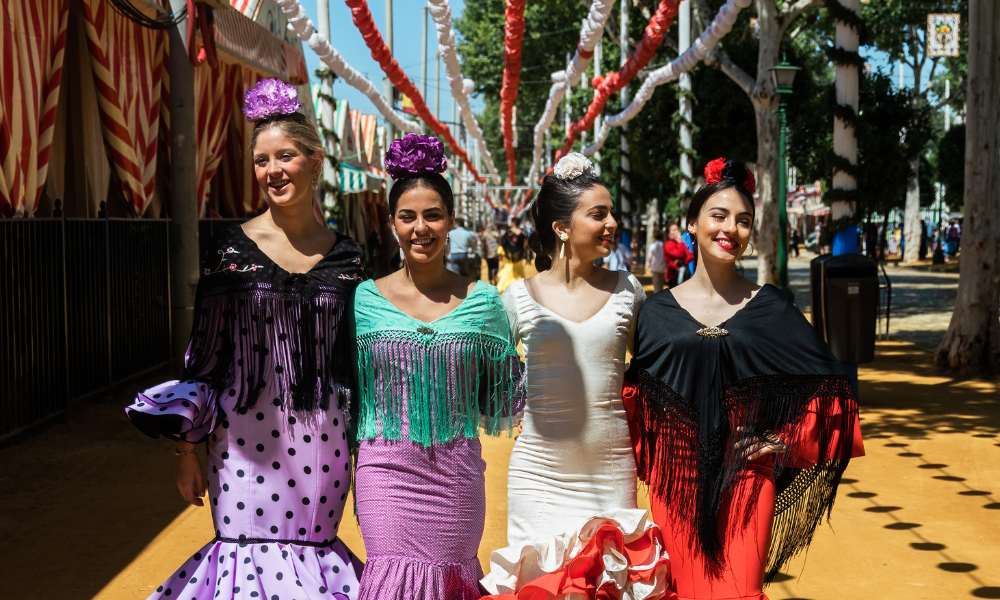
x,y
190,475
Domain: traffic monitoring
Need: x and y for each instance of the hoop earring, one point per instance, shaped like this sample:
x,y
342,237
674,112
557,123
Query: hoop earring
x,y
750,254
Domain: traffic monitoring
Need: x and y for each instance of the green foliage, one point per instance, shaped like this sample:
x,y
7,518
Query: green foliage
x,y
551,31
951,164
884,151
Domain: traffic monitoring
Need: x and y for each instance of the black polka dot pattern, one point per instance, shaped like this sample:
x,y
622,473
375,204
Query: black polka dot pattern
x,y
269,479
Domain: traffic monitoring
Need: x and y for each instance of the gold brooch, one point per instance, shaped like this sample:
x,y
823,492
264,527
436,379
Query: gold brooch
x,y
712,332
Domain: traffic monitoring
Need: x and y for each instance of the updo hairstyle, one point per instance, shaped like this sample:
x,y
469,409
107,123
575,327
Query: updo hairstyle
x,y
555,203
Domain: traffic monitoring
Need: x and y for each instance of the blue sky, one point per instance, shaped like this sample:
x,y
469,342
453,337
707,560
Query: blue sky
x,y
407,18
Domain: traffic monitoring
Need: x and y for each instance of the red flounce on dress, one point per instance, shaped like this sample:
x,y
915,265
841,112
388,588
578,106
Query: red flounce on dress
x,y
729,524
574,529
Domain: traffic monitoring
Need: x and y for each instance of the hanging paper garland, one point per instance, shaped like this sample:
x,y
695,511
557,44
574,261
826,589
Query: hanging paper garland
x,y
513,40
298,21
612,83
460,87
380,52
706,42
590,34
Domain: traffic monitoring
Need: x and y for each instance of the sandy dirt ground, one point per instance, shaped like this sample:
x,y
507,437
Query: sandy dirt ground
x,y
88,508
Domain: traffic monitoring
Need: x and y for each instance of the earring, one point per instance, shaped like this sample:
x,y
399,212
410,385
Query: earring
x,y
745,254
562,246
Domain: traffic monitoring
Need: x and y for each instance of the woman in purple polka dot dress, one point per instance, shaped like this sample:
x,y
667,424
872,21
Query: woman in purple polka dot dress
x,y
267,384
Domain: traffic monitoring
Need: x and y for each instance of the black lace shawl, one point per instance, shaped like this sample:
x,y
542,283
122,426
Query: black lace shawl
x,y
697,395
262,331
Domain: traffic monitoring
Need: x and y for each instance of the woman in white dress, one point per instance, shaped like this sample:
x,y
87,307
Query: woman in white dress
x,y
573,528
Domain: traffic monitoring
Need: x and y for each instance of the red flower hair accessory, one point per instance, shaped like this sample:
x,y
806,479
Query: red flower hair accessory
x,y
715,169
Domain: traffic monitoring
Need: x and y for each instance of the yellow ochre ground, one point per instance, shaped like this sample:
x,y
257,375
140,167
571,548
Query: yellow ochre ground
x,y
88,507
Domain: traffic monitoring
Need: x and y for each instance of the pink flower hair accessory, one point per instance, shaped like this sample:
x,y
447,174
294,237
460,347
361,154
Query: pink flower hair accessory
x,y
268,98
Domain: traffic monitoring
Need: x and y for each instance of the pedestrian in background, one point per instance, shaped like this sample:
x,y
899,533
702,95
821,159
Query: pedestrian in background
x,y
514,244
463,253
488,248
676,254
656,263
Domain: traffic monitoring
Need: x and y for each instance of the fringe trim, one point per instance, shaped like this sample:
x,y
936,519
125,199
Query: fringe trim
x,y
688,458
443,382
293,347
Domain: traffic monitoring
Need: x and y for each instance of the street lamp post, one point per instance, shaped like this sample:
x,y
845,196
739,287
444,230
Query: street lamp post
x,y
783,76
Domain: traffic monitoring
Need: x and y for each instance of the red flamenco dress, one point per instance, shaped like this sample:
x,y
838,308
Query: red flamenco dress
x,y
695,394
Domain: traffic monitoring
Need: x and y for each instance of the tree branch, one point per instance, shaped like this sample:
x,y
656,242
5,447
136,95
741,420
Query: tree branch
x,y
795,11
934,65
718,58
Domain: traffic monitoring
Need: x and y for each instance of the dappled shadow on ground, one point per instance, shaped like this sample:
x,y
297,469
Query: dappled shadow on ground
x,y
79,500
916,401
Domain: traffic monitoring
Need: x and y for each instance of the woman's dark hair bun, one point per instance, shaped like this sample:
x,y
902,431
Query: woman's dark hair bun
x,y
722,174
555,203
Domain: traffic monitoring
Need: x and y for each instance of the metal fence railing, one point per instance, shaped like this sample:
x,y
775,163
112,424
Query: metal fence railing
x,y
84,305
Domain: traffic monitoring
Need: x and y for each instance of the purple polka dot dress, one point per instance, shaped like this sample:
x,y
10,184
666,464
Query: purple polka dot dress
x,y
267,384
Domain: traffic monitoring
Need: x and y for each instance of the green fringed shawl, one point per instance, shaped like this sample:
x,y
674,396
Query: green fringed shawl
x,y
439,380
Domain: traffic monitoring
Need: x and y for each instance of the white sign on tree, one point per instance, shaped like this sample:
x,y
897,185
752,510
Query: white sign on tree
x,y
942,34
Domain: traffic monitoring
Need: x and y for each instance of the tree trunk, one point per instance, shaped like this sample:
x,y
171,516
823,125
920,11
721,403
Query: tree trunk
x,y
766,241
911,219
765,108
972,343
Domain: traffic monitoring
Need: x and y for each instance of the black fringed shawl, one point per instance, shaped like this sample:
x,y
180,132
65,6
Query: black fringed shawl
x,y
698,394
262,331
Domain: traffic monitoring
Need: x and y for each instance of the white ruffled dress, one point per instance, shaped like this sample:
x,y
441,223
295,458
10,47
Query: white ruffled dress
x,y
572,476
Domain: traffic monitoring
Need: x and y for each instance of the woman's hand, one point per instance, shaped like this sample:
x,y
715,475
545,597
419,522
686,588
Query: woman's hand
x,y
755,447
190,476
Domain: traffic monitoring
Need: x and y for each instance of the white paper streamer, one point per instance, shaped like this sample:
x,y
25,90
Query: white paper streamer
x,y
298,21
721,25
460,87
590,34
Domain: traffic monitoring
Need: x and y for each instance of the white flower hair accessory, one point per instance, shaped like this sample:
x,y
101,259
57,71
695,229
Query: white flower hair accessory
x,y
572,166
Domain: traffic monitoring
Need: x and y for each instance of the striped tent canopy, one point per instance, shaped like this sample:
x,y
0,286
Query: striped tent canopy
x,y
354,180
32,43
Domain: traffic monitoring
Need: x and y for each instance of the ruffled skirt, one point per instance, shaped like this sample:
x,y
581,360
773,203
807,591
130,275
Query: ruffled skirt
x,y
618,554
421,512
230,570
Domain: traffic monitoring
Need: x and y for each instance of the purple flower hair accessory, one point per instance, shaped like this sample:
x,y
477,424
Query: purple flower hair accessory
x,y
414,154
270,97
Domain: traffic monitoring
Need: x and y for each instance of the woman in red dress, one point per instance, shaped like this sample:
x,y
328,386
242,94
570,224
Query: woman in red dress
x,y
742,420
676,253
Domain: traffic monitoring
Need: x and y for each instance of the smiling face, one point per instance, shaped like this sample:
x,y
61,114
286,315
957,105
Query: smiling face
x,y
422,223
592,226
724,225
282,169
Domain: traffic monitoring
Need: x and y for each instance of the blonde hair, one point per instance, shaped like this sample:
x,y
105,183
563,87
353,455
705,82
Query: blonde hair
x,y
296,127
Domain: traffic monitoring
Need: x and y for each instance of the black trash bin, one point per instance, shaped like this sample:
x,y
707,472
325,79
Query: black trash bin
x,y
845,304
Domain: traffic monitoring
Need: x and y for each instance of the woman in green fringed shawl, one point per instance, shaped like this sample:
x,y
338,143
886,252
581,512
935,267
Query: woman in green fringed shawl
x,y
435,361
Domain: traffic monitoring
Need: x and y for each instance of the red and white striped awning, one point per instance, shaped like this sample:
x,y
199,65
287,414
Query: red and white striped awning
x,y
253,34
